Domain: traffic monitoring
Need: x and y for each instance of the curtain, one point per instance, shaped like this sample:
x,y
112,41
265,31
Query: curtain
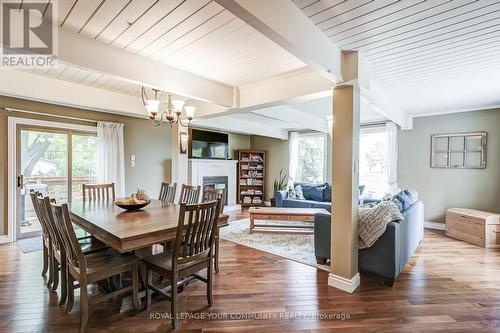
x,y
293,153
111,155
392,156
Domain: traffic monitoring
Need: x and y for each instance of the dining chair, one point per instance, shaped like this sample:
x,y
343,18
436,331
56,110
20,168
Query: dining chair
x,y
210,194
167,192
46,248
57,254
192,252
98,192
189,194
91,268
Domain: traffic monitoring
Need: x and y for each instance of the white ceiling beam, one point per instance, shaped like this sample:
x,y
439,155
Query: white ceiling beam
x,y
286,25
294,117
97,56
233,124
49,90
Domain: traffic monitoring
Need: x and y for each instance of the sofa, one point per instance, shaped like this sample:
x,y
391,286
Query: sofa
x,y
316,196
390,253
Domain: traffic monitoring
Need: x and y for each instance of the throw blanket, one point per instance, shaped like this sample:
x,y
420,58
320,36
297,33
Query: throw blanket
x,y
373,222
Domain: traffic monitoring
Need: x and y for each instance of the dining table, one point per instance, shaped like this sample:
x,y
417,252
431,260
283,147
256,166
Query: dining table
x,y
130,231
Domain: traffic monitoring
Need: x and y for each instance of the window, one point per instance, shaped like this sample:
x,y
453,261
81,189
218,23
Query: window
x,y
373,147
311,158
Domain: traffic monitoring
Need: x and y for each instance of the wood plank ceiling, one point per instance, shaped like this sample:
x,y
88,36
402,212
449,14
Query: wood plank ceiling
x,y
417,45
198,36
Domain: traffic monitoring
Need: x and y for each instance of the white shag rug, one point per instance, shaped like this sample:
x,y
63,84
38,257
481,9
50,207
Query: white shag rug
x,y
296,247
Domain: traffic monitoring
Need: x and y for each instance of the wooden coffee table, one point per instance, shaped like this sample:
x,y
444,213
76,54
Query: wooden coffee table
x,y
284,215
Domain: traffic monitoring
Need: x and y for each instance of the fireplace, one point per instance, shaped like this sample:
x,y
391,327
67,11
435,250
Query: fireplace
x,y
217,182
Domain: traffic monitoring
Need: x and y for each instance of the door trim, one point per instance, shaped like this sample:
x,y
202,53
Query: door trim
x,y
11,158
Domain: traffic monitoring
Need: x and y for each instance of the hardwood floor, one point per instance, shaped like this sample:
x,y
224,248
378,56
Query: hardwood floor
x,y
448,286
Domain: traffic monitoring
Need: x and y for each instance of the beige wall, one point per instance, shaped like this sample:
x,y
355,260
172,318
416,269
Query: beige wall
x,y
237,142
151,145
440,189
276,158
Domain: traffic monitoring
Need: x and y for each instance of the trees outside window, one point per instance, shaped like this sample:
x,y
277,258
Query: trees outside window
x,y
373,161
311,164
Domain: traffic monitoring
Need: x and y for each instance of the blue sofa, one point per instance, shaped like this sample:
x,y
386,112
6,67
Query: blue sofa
x,y
316,196
390,253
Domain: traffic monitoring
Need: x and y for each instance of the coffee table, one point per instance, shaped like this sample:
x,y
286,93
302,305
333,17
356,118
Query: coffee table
x,y
284,215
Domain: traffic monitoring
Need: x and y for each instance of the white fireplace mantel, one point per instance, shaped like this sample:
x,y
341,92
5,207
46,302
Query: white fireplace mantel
x,y
199,168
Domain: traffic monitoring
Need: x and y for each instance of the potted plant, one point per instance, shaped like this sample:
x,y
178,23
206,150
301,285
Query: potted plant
x,y
278,185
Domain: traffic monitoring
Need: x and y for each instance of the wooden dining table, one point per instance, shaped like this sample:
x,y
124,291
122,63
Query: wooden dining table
x,y
127,231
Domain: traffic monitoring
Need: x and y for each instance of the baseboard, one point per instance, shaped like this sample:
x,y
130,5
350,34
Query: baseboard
x,y
4,239
339,282
435,225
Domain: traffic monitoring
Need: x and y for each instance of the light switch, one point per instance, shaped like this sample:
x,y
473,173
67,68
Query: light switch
x,y
132,161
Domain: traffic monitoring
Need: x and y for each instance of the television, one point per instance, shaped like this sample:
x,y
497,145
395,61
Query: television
x,y
208,145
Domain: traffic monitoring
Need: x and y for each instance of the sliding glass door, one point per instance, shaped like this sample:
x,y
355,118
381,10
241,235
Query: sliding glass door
x,y
54,162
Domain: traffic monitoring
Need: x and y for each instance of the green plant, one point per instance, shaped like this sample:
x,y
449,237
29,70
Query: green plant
x,y
280,183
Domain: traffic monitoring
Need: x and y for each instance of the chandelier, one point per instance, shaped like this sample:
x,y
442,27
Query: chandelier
x,y
171,115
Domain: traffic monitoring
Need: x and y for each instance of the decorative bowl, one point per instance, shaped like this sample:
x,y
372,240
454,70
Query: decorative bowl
x,y
132,207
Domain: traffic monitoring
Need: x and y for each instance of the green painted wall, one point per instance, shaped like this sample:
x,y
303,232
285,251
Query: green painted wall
x,y
440,189
151,145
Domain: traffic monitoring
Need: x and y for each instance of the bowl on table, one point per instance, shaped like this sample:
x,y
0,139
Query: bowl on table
x,y
132,205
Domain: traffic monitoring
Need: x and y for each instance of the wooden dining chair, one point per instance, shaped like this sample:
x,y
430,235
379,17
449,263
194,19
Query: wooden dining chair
x,y
91,268
192,252
98,192
57,254
189,194
46,248
167,192
210,194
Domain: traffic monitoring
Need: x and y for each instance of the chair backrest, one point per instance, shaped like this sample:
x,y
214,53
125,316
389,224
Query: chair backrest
x,y
189,194
74,253
167,192
46,216
195,232
98,192
34,195
210,194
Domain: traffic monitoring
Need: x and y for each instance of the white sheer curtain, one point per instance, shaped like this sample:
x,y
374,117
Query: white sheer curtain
x,y
111,155
293,153
392,156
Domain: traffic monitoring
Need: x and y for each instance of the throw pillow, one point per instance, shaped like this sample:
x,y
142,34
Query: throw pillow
x,y
312,192
327,193
298,193
291,192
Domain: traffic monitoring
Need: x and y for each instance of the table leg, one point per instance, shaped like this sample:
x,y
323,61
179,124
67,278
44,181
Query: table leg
x,y
251,223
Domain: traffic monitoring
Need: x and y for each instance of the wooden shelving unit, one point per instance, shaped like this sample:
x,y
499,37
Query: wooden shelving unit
x,y
251,177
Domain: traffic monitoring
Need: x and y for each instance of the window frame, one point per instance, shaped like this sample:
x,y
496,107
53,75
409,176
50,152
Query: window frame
x,y
325,152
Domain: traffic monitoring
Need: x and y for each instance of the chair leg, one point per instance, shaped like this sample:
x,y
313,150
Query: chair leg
x,y
51,270
173,301
135,286
71,293
64,283
56,275
45,261
217,252
149,280
84,306
210,272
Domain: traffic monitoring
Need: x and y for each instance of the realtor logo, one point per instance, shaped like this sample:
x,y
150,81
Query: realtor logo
x,y
29,33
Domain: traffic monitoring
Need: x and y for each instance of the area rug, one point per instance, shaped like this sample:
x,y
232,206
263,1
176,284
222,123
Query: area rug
x,y
299,248
28,245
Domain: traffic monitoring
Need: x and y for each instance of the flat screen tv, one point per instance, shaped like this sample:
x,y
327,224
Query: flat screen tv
x,y
209,145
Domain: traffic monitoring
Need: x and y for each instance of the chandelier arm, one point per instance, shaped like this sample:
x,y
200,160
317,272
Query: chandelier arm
x,y
179,120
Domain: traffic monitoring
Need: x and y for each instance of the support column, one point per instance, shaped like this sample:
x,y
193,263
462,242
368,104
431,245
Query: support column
x,y
345,178
180,167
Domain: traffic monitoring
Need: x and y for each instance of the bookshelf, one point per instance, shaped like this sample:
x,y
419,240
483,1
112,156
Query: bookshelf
x,y
251,177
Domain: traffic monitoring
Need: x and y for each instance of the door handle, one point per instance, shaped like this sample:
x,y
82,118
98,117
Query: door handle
x,y
20,181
